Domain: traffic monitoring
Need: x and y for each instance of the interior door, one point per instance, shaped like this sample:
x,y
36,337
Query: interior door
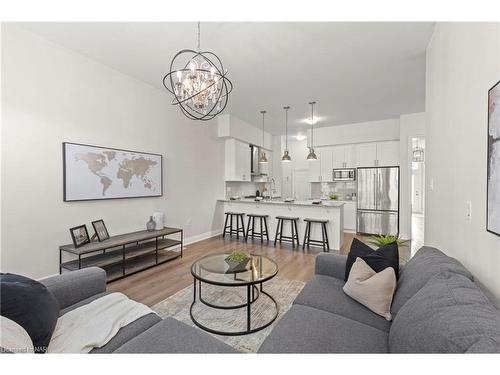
x,y
387,189
366,188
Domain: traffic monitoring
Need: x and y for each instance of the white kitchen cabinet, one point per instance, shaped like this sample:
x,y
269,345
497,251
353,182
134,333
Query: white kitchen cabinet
x,y
388,154
237,161
344,157
350,216
366,154
326,164
377,154
321,170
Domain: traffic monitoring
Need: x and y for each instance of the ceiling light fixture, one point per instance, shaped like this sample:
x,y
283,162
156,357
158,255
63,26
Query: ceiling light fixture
x,y
312,154
286,155
198,82
263,157
418,154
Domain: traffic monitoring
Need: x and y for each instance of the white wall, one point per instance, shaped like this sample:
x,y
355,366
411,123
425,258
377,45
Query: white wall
x,y
412,125
372,131
463,62
51,95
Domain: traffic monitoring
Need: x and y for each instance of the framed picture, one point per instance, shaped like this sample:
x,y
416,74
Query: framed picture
x,y
493,181
95,172
100,230
80,235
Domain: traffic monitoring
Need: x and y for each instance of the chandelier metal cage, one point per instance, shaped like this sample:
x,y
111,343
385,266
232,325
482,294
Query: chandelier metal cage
x,y
198,82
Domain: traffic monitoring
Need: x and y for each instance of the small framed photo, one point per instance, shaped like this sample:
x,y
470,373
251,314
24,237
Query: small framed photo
x,y
100,230
80,235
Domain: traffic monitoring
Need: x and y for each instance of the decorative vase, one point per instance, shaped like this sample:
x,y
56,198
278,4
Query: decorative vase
x,y
150,225
237,266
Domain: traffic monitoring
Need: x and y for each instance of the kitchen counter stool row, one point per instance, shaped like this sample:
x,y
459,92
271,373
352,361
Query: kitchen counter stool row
x,y
234,224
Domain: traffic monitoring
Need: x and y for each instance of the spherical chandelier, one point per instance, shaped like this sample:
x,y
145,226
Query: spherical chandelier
x,y
198,82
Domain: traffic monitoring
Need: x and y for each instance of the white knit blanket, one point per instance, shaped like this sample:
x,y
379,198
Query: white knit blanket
x,y
94,324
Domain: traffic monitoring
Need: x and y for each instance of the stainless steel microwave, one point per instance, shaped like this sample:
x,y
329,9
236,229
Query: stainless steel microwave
x,y
348,174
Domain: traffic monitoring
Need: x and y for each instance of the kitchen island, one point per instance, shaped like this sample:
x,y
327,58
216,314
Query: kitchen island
x,y
333,211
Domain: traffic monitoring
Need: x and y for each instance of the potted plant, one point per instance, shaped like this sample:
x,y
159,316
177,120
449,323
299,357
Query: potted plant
x,y
385,239
237,260
333,196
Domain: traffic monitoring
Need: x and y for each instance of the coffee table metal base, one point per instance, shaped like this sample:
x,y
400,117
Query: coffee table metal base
x,y
253,294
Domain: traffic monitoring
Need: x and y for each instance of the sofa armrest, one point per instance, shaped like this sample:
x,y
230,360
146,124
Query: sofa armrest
x,y
75,286
331,265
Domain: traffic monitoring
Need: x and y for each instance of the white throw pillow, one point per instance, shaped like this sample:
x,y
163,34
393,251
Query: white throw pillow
x,y
14,338
371,289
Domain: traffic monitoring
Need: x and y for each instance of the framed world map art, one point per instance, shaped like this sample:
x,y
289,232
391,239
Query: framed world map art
x,y
94,172
493,182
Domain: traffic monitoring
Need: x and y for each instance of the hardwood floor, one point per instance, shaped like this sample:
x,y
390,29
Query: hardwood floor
x,y
155,284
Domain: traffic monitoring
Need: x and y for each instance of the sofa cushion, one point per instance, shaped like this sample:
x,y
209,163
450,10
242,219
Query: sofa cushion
x,y
304,329
126,333
172,336
450,314
31,305
325,293
425,264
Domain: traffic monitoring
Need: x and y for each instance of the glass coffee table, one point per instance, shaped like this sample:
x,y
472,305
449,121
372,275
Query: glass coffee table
x,y
213,269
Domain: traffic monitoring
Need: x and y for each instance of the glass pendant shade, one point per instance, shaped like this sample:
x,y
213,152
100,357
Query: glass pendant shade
x,y
263,156
286,155
312,155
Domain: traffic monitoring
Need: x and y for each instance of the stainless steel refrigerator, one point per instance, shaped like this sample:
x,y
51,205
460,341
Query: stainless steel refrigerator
x,y
378,200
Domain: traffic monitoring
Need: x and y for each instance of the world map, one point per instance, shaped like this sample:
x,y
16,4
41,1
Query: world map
x,y
110,173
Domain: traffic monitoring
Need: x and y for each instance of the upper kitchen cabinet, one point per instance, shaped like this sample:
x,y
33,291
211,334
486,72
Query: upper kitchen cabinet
x,y
321,170
344,157
388,153
237,161
377,154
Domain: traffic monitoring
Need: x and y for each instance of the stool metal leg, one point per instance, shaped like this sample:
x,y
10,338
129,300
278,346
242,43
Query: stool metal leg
x,y
296,232
225,226
281,230
326,237
261,235
248,228
292,232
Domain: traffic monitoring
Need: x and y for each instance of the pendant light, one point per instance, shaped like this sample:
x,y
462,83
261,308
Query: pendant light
x,y
198,82
286,155
312,154
263,157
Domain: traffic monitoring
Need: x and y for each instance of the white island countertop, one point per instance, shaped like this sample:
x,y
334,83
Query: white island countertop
x,y
308,203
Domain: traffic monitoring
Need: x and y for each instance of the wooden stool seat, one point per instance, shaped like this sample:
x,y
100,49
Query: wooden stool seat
x,y
324,234
279,230
229,216
263,227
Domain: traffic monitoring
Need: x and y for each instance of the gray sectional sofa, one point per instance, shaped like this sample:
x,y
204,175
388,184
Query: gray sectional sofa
x,y
437,308
149,334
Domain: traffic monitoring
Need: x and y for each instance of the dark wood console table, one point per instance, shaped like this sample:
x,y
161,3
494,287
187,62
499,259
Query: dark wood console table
x,y
124,254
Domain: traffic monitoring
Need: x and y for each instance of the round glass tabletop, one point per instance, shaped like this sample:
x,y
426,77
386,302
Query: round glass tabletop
x,y
214,269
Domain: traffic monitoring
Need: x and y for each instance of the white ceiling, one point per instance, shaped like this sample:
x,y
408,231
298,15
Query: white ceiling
x,y
355,71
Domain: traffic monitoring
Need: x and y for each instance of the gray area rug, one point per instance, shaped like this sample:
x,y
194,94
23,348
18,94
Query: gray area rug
x,y
283,291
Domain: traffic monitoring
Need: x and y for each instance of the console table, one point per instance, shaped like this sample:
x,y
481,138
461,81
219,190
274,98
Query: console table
x,y
124,254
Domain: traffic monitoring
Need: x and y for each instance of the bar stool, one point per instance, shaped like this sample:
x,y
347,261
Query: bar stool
x,y
279,230
230,215
263,228
307,235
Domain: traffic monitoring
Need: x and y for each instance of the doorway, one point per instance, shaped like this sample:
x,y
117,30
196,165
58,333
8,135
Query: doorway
x,y
417,193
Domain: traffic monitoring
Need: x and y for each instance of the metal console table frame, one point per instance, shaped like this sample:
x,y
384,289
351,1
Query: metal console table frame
x,y
254,290
118,250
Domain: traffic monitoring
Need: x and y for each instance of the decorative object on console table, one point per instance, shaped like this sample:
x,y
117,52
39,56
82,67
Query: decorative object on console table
x,y
124,254
121,173
493,181
159,219
150,225
100,230
79,235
